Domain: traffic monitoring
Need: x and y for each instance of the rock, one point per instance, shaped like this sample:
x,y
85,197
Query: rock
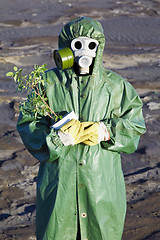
x,y
153,106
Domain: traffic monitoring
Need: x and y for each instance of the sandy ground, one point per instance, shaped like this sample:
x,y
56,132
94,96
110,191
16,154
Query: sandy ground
x,y
28,36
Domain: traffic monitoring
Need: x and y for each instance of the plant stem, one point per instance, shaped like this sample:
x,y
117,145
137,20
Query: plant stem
x,y
31,83
45,102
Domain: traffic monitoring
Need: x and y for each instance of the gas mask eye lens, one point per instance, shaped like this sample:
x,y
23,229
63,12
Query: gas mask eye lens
x,y
92,45
78,45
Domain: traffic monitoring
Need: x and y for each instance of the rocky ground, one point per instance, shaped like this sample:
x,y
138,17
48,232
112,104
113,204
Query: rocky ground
x,y
28,36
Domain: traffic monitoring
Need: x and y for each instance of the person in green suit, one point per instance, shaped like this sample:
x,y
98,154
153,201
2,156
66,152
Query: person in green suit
x,y
80,185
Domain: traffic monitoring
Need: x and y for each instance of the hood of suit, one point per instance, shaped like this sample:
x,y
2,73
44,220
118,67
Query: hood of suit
x,y
84,27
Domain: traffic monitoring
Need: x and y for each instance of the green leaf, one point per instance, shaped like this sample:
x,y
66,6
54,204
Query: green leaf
x,y
9,74
33,84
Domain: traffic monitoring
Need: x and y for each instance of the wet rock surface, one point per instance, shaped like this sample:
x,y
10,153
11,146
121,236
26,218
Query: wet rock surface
x,y
28,36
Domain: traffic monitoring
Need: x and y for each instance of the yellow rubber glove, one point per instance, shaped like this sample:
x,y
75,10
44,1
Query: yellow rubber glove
x,y
96,133
71,132
92,140
68,125
86,131
90,133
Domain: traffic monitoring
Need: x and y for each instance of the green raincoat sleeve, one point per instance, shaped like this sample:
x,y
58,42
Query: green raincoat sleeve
x,y
126,123
41,141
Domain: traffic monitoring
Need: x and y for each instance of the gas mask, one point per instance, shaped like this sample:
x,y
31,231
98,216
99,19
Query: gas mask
x,y
82,51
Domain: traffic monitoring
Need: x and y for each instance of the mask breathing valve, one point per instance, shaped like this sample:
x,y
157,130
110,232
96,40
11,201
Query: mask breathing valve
x,y
84,62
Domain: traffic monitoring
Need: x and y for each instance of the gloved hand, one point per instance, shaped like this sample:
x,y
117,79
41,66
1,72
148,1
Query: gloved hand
x,y
90,133
71,132
95,132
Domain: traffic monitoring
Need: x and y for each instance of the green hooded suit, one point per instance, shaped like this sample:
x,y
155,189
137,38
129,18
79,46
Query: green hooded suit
x,y
83,185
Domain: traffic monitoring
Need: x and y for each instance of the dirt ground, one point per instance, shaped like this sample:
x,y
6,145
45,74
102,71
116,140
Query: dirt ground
x,y
28,36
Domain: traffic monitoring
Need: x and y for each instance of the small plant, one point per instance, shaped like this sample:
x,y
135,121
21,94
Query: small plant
x,y
34,85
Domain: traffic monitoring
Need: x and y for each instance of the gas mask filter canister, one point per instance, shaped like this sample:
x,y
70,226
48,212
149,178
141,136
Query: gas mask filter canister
x,y
64,58
83,50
